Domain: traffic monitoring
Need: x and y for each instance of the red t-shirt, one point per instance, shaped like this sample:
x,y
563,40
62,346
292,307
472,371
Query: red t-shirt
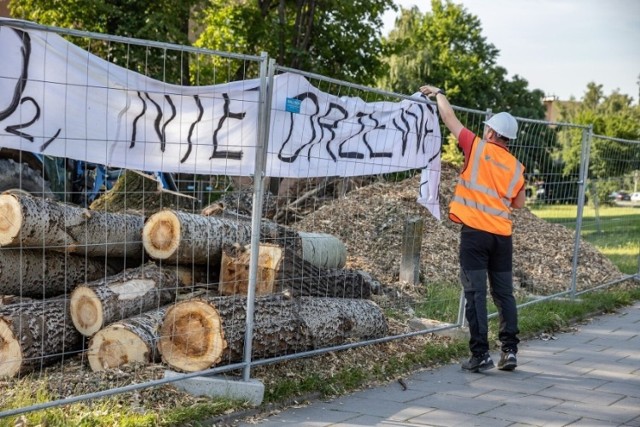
x,y
465,142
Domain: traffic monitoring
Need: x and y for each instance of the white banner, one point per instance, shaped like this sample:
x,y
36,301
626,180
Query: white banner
x,y
57,99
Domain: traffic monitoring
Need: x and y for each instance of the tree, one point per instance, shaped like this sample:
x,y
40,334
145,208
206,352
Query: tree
x,y
334,38
610,160
445,47
159,20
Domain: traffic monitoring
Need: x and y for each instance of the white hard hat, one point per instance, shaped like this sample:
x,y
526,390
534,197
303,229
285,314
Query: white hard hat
x,y
505,124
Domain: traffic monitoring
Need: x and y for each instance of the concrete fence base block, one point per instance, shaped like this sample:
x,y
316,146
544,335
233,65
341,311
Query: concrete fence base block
x,y
251,391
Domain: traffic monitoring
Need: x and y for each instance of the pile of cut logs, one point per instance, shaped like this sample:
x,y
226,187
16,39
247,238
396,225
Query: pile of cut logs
x,y
170,287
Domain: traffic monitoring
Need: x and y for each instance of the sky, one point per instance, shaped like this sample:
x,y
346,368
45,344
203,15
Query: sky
x,y
559,46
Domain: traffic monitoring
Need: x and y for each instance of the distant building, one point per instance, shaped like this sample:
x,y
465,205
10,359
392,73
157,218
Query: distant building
x,y
4,9
553,107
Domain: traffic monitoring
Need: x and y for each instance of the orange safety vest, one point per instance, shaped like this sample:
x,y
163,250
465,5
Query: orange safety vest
x,y
490,180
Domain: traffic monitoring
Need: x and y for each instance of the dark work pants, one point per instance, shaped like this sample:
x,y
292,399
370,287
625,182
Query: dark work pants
x,y
483,254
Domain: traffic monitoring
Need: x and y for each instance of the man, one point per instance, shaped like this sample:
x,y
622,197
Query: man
x,y
490,185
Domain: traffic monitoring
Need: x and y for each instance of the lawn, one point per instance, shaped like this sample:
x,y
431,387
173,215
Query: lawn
x,y
615,231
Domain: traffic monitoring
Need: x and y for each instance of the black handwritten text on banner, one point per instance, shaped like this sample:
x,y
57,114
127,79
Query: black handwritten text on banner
x,y
59,100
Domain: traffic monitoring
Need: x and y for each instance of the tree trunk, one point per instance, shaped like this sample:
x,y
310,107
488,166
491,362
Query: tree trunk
x,y
39,274
198,334
187,238
134,191
35,334
129,293
290,273
43,223
301,278
132,340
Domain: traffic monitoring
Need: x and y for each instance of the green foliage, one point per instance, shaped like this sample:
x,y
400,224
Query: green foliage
x,y
451,153
614,116
445,47
334,38
160,20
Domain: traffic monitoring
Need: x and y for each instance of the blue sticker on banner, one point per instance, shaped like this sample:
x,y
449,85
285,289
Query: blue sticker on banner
x,y
293,105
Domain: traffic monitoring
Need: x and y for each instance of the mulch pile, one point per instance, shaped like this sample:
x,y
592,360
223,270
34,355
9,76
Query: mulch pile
x,y
370,221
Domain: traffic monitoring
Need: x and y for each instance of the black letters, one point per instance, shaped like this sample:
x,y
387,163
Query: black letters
x,y
224,154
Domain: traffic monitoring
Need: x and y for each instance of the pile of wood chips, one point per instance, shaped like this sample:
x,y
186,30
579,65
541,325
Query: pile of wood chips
x,y
370,222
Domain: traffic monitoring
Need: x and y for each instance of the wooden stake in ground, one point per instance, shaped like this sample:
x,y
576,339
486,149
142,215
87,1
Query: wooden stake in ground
x,y
27,221
39,274
35,334
198,334
129,293
132,340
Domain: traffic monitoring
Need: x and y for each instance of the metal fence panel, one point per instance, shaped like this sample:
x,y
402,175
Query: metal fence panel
x,y
111,131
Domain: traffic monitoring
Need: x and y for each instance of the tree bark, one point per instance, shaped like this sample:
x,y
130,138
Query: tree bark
x,y
35,334
187,238
198,334
301,278
131,292
132,340
40,274
35,222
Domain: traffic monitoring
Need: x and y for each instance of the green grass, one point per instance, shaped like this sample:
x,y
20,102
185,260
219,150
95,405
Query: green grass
x,y
615,232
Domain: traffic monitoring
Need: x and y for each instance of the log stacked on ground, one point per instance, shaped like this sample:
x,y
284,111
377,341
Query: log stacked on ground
x,y
285,271
132,340
35,334
191,238
45,274
27,221
188,238
198,334
129,293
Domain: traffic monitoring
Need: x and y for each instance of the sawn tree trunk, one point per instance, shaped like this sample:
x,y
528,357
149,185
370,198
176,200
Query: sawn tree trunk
x,y
36,333
40,274
282,270
198,334
33,222
129,293
132,340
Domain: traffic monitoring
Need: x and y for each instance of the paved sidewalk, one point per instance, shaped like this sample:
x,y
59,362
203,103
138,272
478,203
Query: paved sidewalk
x,y
587,378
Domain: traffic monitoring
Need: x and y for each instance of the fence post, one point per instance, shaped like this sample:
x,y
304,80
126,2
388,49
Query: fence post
x,y
264,120
582,179
411,244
